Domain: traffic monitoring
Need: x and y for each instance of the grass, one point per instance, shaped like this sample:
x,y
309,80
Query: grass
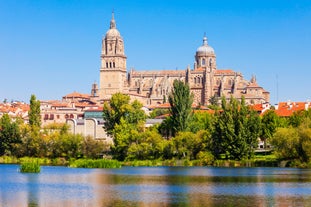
x,y
100,163
30,167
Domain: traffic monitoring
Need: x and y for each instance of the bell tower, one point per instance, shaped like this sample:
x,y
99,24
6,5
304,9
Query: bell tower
x,y
205,59
113,63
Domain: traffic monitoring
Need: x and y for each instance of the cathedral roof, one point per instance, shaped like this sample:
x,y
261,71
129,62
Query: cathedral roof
x,y
224,72
205,48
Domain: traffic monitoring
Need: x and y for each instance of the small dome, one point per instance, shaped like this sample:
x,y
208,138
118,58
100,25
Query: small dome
x,y
112,33
205,48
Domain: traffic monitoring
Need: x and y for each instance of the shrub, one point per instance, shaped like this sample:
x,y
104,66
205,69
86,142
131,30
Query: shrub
x,y
100,163
30,167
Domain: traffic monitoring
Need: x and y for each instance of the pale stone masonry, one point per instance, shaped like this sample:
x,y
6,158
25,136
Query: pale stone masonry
x,y
150,87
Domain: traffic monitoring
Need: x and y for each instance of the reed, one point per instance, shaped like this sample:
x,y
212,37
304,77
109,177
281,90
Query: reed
x,y
100,163
30,167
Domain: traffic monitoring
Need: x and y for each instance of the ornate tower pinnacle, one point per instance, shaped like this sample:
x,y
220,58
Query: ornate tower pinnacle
x,y
112,22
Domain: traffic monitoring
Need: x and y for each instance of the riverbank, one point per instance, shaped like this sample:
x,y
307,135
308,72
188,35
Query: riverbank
x,y
257,161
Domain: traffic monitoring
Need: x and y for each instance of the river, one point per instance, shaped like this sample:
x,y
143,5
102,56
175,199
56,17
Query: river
x,y
155,186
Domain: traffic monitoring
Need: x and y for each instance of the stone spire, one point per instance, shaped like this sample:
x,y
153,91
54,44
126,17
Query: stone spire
x,y
112,22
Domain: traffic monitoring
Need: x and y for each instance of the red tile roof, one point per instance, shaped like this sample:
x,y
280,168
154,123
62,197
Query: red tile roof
x,y
76,95
286,109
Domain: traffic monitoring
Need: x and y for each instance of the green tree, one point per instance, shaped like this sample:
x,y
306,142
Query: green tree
x,y
294,142
214,102
120,107
122,139
92,148
268,125
9,135
236,131
180,100
201,121
285,142
147,145
34,112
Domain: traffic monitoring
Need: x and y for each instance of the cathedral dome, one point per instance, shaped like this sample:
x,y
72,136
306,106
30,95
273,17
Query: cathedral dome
x,y
112,33
205,48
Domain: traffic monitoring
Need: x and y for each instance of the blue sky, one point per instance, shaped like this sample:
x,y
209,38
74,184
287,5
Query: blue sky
x,y
52,48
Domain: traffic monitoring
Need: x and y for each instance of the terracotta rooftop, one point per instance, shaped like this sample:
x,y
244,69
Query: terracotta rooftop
x,y
225,72
286,109
160,73
76,95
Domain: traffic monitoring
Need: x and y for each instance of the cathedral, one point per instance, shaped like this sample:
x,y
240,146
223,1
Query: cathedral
x,y
153,87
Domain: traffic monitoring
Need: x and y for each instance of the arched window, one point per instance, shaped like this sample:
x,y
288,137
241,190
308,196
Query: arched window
x,y
195,80
114,64
106,65
203,61
199,80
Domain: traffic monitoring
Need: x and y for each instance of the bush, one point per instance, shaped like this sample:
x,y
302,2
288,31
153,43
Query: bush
x,y
205,158
100,163
30,167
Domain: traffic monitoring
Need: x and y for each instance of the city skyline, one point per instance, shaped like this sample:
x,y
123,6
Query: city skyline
x,y
52,48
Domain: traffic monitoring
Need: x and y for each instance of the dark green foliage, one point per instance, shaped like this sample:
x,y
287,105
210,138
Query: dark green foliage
x,y
236,131
34,112
298,117
165,128
180,100
214,102
99,163
269,124
10,135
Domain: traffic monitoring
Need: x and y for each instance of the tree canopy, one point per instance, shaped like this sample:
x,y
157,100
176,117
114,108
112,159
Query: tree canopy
x,y
34,112
237,129
180,100
119,108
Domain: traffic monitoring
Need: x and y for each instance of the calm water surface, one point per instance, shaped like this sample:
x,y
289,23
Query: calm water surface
x,y
155,186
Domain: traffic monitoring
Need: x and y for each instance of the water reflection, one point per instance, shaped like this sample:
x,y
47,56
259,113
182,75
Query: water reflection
x,y
161,186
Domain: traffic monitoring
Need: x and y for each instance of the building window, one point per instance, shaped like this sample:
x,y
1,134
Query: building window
x,y
57,116
110,64
51,116
114,64
203,61
71,116
106,65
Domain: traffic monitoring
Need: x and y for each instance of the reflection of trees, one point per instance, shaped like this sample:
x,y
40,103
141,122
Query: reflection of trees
x,y
33,189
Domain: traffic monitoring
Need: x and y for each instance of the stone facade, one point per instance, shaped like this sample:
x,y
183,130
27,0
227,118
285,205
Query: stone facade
x,y
89,127
152,87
